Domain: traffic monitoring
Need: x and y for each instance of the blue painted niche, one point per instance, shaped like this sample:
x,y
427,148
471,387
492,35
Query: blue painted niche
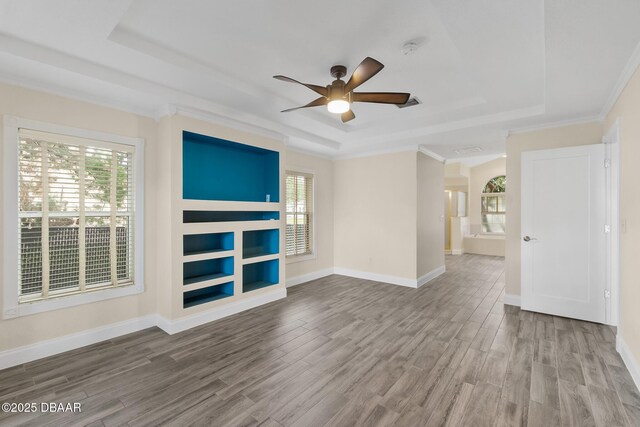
x,y
205,295
260,242
260,275
217,169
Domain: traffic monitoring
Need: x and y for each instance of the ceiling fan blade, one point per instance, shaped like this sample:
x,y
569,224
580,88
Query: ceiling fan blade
x,y
380,97
320,90
367,69
315,103
347,116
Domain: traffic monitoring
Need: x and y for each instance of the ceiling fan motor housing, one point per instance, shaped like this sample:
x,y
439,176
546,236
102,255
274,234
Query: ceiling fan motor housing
x,y
336,90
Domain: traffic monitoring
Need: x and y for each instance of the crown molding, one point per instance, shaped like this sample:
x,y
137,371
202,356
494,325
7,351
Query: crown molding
x,y
629,69
210,117
431,154
556,124
378,152
64,92
299,150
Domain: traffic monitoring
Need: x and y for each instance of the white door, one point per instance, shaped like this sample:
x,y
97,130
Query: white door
x,y
563,232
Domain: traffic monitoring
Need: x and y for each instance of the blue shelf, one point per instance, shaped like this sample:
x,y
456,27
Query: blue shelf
x,y
201,271
217,169
260,242
206,243
260,275
225,216
205,295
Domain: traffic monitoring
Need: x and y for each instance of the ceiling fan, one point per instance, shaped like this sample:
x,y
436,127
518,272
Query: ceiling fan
x,y
339,95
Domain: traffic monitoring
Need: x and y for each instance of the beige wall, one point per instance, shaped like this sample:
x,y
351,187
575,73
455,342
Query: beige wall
x,y
430,225
478,177
322,170
627,110
581,134
456,177
33,105
375,214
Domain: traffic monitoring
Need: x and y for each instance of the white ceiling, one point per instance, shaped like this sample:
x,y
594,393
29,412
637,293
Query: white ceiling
x,y
484,67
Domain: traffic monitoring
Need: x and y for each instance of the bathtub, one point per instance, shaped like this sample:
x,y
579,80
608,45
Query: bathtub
x,y
484,244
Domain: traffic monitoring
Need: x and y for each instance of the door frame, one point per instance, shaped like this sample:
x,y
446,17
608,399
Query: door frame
x,y
611,140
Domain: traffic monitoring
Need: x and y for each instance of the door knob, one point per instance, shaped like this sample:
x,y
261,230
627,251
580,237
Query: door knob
x,y
528,239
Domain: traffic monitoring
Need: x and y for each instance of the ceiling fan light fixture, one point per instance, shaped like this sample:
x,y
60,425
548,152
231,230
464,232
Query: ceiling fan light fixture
x,y
338,106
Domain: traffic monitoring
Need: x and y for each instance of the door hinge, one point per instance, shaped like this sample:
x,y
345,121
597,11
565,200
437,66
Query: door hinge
x,y
607,228
607,293
607,163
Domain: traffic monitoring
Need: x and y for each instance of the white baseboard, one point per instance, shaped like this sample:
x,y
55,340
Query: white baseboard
x,y
298,280
511,300
174,326
430,275
447,252
31,352
457,251
400,281
627,356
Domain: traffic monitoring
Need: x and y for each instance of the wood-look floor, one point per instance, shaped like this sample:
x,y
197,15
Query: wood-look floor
x,y
347,352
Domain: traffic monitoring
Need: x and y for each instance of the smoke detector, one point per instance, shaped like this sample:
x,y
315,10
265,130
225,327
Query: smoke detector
x,y
409,48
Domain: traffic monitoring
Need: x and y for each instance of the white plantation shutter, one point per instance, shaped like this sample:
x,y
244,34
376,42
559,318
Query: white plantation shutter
x,y
76,215
299,212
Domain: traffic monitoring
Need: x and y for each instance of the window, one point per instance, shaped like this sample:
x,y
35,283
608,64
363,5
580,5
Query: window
x,y
76,219
494,205
299,193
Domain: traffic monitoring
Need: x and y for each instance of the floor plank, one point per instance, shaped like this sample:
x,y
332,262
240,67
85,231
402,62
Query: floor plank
x,y
340,351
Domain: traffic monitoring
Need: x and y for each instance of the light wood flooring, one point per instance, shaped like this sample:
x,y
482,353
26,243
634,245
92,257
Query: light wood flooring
x,y
347,352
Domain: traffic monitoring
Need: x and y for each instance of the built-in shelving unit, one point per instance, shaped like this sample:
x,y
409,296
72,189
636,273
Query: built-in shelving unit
x,y
231,225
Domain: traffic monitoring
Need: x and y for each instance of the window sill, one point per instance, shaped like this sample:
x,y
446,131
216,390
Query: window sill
x,y
291,259
35,307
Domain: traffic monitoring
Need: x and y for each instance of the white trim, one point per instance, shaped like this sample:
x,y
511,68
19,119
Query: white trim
x,y
557,124
66,301
298,280
430,275
457,251
431,154
629,69
28,353
210,117
293,170
510,299
447,252
290,147
182,324
629,359
394,280
10,212
612,152
292,259
375,152
11,307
